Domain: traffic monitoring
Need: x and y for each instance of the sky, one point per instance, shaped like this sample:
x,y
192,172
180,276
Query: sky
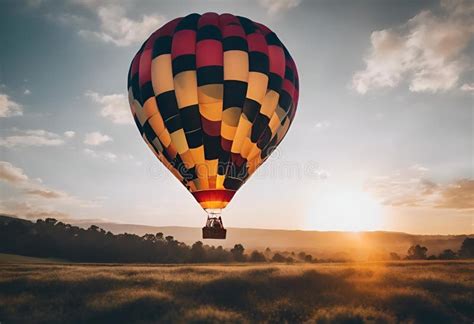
x,y
382,139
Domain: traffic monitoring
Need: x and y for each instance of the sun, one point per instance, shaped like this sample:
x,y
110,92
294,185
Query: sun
x,y
345,210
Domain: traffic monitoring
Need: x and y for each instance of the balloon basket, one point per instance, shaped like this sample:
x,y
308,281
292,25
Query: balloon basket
x,y
212,233
214,229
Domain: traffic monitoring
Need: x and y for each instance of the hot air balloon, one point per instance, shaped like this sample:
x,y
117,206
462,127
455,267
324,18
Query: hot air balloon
x,y
212,96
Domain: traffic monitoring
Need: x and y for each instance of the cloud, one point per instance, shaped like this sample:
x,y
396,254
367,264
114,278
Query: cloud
x,y
459,195
45,193
8,107
322,125
33,199
90,152
419,168
120,30
429,51
96,139
28,211
468,87
27,92
16,177
401,192
114,107
406,191
110,156
12,174
277,6
69,134
103,155
34,137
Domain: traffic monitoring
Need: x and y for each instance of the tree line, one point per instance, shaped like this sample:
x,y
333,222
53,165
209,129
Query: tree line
x,y
419,252
51,238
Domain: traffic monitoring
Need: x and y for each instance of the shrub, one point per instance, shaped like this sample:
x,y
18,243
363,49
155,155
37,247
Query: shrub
x,y
447,255
257,257
277,257
467,248
417,252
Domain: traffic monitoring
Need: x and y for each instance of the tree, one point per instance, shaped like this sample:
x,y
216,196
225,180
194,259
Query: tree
x,y
277,257
447,255
308,258
467,248
50,221
301,256
93,228
198,254
394,256
238,253
417,252
149,237
257,257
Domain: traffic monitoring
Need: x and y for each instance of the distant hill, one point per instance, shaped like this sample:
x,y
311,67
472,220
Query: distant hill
x,y
360,245
331,244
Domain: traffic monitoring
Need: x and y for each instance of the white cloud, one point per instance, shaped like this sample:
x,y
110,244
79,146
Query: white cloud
x,y
468,87
109,156
322,125
32,198
27,92
276,6
117,28
429,51
114,107
400,191
69,134
90,152
419,168
16,177
11,174
36,137
32,212
457,195
70,19
96,138
45,193
411,188
8,107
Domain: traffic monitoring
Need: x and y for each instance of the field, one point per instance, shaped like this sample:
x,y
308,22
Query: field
x,y
424,292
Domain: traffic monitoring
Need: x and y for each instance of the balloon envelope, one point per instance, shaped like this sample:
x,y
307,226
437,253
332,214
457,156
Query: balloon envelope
x,y
212,95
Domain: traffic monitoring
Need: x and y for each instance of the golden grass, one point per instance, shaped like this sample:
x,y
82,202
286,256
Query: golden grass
x,y
425,292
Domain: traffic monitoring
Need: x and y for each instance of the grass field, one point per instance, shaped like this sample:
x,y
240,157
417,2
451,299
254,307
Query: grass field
x,y
425,292
13,258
